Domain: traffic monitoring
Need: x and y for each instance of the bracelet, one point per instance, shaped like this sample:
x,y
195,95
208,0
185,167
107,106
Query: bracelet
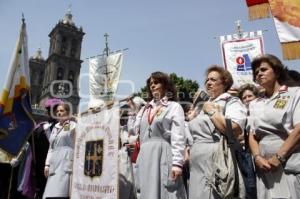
x,y
280,158
47,165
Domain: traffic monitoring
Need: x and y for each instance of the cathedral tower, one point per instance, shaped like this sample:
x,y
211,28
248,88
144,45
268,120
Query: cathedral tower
x,y
63,64
37,66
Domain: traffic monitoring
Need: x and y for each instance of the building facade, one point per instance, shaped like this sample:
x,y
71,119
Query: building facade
x,y
57,76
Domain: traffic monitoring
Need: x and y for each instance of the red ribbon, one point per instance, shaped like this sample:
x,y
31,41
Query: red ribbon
x,y
151,117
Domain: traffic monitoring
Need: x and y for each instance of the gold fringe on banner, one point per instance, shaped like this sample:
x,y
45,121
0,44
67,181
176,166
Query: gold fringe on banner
x,y
259,11
291,50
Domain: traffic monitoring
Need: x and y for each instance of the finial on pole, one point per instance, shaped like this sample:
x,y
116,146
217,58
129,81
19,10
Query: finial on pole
x,y
106,44
23,18
69,8
239,28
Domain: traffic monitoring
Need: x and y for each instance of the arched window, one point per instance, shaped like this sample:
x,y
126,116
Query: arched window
x,y
60,74
71,76
41,78
63,45
73,48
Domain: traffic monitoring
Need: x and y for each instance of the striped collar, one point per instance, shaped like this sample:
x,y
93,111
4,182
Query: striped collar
x,y
164,101
222,97
57,125
283,89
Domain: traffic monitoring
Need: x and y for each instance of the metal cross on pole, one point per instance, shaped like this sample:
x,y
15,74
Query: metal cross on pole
x,y
106,49
239,28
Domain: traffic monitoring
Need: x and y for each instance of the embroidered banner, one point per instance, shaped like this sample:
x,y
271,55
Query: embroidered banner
x,y
258,9
104,73
95,167
238,53
287,21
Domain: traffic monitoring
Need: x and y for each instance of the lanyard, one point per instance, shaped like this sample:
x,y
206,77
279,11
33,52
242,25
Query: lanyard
x,y
151,116
55,140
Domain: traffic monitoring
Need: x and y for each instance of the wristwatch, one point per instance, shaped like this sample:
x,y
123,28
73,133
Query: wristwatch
x,y
211,112
280,158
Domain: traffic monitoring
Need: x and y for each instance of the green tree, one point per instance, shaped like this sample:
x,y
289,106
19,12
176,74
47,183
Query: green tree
x,y
186,89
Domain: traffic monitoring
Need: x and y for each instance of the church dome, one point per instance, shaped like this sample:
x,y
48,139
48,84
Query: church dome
x,y
38,55
68,18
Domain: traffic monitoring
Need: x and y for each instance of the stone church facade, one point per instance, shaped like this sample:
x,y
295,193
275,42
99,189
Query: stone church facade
x,y
58,75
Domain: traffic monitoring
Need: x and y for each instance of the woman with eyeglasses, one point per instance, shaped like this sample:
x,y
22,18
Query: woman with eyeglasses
x,y
207,128
161,127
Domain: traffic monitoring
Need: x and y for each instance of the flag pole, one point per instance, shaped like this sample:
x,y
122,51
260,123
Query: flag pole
x,y
10,181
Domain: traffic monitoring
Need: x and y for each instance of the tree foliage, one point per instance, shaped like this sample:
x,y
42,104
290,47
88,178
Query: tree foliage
x,y
186,88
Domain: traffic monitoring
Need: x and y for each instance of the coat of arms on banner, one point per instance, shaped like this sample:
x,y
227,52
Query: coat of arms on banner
x,y
93,158
95,166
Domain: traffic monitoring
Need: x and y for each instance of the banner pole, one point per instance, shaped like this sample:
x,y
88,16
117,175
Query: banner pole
x,y
10,182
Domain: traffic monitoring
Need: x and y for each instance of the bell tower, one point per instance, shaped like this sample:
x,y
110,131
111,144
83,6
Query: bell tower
x,y
63,64
37,67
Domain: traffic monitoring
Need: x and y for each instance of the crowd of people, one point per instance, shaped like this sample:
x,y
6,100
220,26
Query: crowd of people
x,y
178,145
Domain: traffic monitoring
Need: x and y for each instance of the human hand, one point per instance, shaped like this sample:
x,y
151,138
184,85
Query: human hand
x,y
46,171
14,162
187,154
192,114
262,163
241,139
208,106
176,172
274,163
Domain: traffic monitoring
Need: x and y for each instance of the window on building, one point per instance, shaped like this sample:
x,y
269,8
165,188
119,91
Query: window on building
x,y
60,74
63,45
71,76
73,48
41,78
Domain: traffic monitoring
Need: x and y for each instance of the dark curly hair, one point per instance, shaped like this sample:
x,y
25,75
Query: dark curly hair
x,y
274,62
167,83
226,77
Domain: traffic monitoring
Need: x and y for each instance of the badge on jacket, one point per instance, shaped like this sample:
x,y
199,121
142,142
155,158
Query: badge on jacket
x,y
280,103
67,127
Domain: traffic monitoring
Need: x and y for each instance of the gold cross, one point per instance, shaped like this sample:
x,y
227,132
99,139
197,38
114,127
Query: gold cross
x,y
95,157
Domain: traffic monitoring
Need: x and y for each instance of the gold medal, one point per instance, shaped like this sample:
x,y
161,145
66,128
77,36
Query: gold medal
x,y
158,112
67,127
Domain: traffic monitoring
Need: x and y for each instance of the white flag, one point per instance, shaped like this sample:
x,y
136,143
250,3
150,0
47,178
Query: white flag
x,y
104,74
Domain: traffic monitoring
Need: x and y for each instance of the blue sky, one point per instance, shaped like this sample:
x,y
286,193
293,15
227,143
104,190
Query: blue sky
x,y
167,35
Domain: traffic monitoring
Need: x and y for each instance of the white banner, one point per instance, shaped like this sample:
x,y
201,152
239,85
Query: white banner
x,y
237,57
104,74
95,167
287,19
287,22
